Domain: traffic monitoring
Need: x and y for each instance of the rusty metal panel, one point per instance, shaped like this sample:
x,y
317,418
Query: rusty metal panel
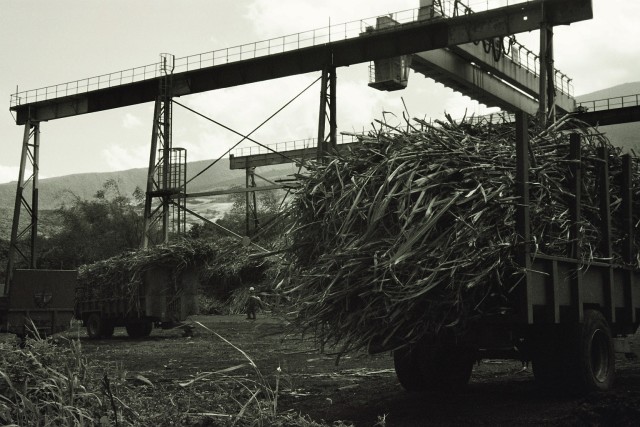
x,y
44,298
170,297
43,289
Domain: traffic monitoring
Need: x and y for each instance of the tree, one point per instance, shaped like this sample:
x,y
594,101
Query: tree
x,y
91,230
268,213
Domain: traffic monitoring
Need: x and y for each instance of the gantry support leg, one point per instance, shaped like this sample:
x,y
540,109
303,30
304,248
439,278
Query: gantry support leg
x,y
327,142
30,153
159,178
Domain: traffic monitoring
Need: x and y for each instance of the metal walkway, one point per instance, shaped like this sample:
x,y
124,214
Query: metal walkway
x,y
338,45
281,152
498,73
610,111
601,112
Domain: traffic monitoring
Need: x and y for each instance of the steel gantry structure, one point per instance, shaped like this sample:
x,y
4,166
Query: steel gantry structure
x,y
322,51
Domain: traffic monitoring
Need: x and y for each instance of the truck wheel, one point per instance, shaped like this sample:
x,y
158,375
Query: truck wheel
x,y
406,361
139,329
108,329
146,328
448,367
595,363
94,324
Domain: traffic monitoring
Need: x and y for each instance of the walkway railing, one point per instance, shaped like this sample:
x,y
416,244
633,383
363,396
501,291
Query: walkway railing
x,y
300,144
280,147
610,103
272,46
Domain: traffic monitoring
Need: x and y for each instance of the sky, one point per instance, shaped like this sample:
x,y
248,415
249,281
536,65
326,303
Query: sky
x,y
44,43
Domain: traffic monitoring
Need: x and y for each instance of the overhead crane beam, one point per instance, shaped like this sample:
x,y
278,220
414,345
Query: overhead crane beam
x,y
404,39
455,72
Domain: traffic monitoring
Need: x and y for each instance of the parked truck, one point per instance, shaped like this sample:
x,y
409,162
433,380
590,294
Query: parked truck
x,y
39,301
46,302
163,299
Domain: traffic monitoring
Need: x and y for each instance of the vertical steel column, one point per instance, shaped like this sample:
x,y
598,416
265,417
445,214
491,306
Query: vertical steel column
x,y
31,152
627,249
166,166
627,208
256,222
523,221
151,184
251,204
34,194
247,209
327,143
605,228
575,216
181,180
160,142
575,172
547,96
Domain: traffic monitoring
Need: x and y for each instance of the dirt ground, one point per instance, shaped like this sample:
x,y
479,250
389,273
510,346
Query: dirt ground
x,y
361,389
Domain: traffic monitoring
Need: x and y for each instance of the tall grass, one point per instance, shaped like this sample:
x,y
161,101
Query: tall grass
x,y
44,384
51,382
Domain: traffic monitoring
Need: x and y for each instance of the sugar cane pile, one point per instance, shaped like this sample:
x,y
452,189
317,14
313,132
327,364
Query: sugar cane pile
x,y
121,276
412,232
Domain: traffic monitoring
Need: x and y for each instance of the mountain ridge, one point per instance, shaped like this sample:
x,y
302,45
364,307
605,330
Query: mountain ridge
x,y
56,190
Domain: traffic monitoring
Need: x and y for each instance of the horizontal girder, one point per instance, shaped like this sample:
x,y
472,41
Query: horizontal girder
x,y
404,39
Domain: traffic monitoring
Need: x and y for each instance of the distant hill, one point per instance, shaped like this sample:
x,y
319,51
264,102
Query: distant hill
x,y
54,191
612,92
626,135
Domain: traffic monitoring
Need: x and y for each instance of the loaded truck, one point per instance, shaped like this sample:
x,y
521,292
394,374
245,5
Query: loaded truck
x,y
163,299
569,316
47,301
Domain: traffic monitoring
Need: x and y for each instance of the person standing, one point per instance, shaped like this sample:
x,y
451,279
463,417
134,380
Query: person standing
x,y
253,304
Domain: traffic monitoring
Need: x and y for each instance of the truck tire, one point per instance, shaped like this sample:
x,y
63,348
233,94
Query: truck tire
x,y
594,369
95,326
576,358
139,329
108,329
448,367
406,361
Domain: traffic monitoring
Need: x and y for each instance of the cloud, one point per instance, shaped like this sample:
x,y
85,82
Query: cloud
x,y
8,173
293,16
244,108
129,121
120,158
